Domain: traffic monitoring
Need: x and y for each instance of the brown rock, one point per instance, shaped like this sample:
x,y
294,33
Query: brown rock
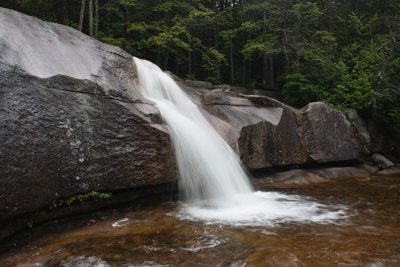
x,y
267,133
326,134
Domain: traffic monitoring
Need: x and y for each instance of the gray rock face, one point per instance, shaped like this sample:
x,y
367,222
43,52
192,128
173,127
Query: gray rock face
x,y
326,134
381,161
361,135
62,137
199,84
46,49
267,133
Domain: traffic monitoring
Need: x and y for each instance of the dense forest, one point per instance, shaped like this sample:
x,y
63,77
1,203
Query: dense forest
x,y
343,52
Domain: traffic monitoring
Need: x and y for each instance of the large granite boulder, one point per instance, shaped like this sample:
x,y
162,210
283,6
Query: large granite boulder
x,y
267,133
62,137
72,120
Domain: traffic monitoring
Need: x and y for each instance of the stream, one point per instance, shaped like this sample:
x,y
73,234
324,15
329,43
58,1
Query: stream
x,y
157,235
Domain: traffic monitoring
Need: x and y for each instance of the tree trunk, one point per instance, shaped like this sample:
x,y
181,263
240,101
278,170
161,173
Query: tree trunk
x,y
271,71
65,12
82,15
158,58
331,14
190,61
232,67
166,59
96,18
265,67
190,54
244,72
91,29
265,71
250,73
285,41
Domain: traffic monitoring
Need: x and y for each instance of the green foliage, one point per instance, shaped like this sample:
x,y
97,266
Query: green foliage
x,y
299,90
389,100
389,110
213,60
91,196
113,41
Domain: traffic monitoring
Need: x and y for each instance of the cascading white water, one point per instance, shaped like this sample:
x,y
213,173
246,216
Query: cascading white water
x,y
211,176
209,169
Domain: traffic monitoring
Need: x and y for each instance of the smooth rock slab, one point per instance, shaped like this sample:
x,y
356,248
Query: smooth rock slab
x,y
46,49
62,137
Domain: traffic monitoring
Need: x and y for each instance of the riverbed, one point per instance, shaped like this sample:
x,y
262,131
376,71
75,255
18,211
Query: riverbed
x,y
369,234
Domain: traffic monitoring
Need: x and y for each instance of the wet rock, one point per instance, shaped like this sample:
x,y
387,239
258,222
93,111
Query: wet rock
x,y
326,134
382,161
395,170
72,119
175,77
268,133
62,137
199,84
46,49
225,87
266,144
361,135
312,176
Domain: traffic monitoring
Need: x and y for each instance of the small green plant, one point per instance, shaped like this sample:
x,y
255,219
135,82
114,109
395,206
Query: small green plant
x,y
79,199
25,221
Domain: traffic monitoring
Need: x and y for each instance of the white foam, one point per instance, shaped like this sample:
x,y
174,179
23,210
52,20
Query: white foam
x,y
262,209
120,223
211,177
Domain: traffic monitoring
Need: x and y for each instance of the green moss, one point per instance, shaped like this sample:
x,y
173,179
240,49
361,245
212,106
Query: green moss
x,y
91,196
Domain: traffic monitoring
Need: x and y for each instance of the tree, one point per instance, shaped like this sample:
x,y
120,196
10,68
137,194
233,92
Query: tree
x,y
91,25
82,15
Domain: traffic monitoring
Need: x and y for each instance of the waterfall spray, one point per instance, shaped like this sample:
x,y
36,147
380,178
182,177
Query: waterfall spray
x,y
212,179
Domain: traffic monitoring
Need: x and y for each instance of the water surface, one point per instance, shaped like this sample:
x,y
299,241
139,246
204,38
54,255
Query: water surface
x,y
369,235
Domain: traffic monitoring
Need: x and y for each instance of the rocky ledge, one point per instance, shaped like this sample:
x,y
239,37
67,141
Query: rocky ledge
x,y
73,124
62,137
267,133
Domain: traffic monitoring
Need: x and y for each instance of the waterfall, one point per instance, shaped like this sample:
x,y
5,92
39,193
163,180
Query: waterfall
x,y
208,168
212,180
